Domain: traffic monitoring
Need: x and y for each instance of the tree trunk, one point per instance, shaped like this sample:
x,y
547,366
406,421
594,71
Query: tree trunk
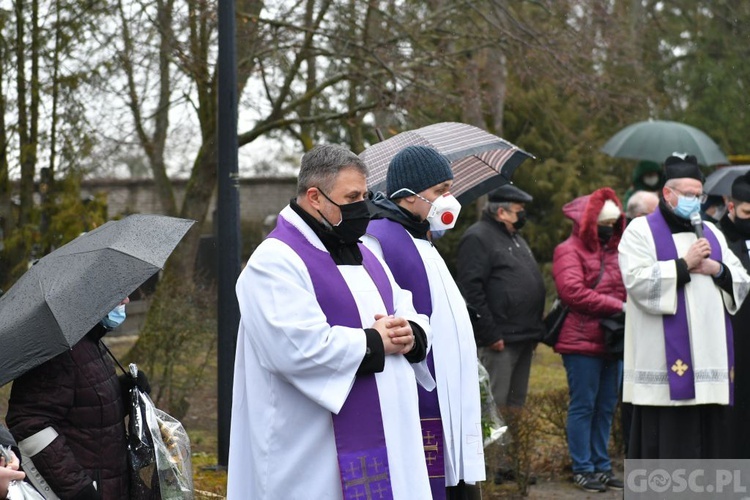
x,y
497,75
27,167
471,91
198,194
5,213
161,118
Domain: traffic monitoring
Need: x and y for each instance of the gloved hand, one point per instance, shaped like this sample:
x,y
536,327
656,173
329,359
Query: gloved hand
x,y
127,382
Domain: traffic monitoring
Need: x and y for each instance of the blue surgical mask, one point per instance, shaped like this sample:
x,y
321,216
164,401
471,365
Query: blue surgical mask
x,y
686,206
115,317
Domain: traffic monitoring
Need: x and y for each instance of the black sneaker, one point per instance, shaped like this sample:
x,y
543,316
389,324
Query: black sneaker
x,y
588,481
610,481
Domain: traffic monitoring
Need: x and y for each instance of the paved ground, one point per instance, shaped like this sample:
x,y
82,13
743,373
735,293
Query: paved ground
x,y
561,489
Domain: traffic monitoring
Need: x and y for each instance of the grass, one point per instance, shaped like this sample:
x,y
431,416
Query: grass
x,y
547,371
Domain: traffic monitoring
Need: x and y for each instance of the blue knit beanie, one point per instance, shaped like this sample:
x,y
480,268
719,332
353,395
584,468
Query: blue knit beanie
x,y
416,168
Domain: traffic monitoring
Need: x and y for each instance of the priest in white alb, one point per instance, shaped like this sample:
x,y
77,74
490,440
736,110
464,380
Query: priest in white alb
x,y
682,282
418,202
328,354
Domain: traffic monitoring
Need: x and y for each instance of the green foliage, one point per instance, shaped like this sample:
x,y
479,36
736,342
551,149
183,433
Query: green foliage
x,y
62,217
70,215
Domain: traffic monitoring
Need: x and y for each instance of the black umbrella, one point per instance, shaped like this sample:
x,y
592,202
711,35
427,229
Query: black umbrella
x,y
719,183
56,302
480,161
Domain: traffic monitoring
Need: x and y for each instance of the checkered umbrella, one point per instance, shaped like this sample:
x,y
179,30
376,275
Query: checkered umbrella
x,y
480,161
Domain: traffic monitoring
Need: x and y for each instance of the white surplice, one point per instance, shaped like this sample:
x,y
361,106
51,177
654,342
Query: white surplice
x,y
292,370
652,293
456,371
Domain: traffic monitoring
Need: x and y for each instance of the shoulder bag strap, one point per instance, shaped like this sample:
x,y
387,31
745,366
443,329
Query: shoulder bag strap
x,y
601,273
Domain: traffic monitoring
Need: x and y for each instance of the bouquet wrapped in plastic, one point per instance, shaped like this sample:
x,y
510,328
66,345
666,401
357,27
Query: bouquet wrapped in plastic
x,y
18,490
493,426
159,451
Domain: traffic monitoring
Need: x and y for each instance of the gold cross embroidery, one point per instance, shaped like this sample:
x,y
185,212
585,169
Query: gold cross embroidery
x,y
428,440
365,480
680,368
731,374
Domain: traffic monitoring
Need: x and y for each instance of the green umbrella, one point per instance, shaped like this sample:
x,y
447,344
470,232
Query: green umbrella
x,y
656,140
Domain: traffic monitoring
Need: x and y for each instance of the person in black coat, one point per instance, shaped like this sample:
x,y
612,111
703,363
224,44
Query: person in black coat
x,y
736,228
501,281
74,403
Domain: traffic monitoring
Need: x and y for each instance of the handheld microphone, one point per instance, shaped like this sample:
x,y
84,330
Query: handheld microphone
x,y
697,222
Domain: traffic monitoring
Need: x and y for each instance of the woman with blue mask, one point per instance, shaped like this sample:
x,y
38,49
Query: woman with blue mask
x,y
77,396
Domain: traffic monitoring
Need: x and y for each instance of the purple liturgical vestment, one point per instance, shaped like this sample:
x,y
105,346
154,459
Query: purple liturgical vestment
x,y
408,270
358,427
676,329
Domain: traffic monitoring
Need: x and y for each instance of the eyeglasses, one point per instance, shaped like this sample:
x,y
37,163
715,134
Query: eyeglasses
x,y
691,196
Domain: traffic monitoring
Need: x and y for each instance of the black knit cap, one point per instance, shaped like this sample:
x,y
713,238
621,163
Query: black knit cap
x,y
416,168
680,168
509,192
741,188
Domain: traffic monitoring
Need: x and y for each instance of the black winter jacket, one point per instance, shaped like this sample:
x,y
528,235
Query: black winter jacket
x,y
501,282
79,395
736,240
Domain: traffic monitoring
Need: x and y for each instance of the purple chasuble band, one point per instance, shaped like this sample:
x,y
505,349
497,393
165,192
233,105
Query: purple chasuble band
x,y
680,369
358,427
404,261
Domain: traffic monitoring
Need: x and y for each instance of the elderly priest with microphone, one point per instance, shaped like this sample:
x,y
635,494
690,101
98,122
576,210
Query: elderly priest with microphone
x,y
683,282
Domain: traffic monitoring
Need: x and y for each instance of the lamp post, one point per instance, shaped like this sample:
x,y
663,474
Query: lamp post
x,y
228,226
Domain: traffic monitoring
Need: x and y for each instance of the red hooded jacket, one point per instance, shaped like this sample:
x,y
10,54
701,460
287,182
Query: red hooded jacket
x,y
575,268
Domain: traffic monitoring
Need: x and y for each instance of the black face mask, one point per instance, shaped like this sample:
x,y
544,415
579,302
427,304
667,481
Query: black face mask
x,y
354,220
605,233
742,225
521,219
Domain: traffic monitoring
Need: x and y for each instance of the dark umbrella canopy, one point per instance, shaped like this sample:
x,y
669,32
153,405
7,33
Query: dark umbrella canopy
x,y
480,161
655,140
719,183
56,302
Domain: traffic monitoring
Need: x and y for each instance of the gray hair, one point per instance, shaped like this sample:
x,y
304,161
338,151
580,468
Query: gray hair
x,y
321,165
637,203
493,206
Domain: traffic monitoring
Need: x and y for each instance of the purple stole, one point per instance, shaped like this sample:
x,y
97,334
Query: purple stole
x,y
676,329
404,261
358,427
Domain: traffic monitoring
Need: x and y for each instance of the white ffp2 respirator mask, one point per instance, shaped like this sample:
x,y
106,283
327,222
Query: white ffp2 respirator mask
x,y
444,212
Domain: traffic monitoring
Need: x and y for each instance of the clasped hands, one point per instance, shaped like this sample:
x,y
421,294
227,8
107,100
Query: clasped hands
x,y
698,259
396,334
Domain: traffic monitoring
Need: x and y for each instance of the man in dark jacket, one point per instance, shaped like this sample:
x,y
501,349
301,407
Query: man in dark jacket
x,y
72,408
736,227
500,280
